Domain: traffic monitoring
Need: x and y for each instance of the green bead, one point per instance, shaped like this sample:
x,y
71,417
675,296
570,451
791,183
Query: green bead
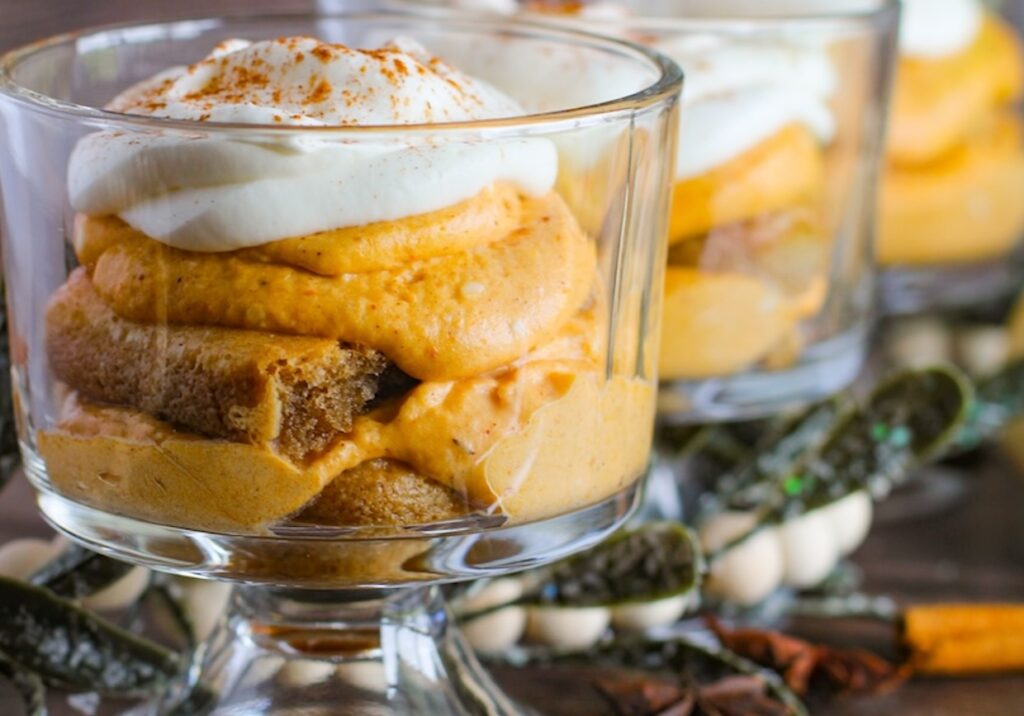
x,y
793,485
879,431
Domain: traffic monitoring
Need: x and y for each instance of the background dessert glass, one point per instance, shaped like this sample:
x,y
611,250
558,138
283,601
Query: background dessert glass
x,y
196,409
771,274
770,282
951,215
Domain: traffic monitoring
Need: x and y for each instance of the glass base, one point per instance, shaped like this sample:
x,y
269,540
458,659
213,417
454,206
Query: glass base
x,y
669,491
825,368
284,651
346,558
908,290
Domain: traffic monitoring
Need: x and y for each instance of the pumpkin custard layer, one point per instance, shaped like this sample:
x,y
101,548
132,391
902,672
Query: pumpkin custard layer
x,y
956,156
387,373
749,248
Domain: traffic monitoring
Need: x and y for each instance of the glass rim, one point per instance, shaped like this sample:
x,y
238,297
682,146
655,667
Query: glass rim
x,y
664,88
874,12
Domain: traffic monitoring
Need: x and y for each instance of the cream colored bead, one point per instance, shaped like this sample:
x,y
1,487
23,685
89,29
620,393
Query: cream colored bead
x,y
497,631
570,628
809,549
491,594
850,520
306,672
366,675
262,670
749,572
205,602
21,558
917,342
983,350
122,593
647,615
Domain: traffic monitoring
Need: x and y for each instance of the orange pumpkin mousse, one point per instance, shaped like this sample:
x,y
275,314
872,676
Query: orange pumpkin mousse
x,y
748,248
324,332
956,150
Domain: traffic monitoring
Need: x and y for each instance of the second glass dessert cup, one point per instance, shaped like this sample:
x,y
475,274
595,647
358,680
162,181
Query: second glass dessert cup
x,y
770,280
342,325
770,283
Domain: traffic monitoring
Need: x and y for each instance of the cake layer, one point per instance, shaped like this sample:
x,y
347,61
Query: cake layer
x,y
127,462
787,249
938,101
785,170
489,216
719,323
297,394
965,207
438,319
529,444
383,492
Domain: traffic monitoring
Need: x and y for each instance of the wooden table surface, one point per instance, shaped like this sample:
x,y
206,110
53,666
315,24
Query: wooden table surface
x,y
974,552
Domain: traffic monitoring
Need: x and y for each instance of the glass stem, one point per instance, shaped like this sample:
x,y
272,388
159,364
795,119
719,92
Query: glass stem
x,y
387,652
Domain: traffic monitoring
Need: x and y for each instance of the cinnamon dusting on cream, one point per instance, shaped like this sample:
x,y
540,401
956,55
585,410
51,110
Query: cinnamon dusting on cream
x,y
300,80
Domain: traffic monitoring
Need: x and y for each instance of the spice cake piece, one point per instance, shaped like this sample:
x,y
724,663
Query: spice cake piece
x,y
296,393
384,492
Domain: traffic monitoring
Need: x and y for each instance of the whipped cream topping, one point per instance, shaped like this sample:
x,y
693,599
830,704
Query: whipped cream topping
x,y
211,192
939,28
302,81
740,93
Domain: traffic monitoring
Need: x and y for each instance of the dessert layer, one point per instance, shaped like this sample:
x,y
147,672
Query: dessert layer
x,y
586,443
305,82
127,462
383,492
491,215
939,28
293,393
742,91
938,101
438,319
788,249
719,323
783,171
965,207
736,295
216,190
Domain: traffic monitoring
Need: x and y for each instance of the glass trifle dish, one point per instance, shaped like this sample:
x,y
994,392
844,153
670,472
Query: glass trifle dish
x,y
770,278
951,216
312,303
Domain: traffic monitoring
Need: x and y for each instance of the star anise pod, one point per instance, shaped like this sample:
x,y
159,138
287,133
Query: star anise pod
x,y
803,664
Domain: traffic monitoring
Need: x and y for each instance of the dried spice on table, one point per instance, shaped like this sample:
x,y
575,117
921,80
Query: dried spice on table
x,y
807,667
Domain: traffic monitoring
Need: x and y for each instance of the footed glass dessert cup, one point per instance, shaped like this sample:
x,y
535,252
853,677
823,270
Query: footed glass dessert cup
x,y
341,308
951,218
769,291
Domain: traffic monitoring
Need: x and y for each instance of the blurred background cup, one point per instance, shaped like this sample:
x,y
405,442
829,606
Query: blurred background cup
x,y
770,282
951,218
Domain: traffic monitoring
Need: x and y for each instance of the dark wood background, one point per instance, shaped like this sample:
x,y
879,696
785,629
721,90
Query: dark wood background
x,y
973,552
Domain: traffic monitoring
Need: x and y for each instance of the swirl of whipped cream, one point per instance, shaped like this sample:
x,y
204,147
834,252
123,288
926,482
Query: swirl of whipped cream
x,y
211,192
939,28
739,93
